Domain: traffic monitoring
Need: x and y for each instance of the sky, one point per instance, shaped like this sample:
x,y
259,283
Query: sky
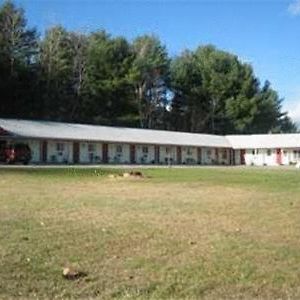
x,y
264,33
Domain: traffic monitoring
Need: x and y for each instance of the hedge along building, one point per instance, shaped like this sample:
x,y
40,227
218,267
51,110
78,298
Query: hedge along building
x,y
53,142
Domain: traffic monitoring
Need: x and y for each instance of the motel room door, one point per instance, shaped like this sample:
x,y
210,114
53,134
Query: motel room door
x,y
278,157
132,154
76,153
242,153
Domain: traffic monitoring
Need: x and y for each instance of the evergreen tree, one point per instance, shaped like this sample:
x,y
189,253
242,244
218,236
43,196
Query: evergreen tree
x,y
96,78
109,99
149,75
18,49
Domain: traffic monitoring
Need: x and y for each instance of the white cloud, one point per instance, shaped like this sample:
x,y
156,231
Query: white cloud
x,y
294,8
293,110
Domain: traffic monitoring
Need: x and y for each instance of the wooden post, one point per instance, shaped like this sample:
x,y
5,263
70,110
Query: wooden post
x,y
217,156
179,155
233,157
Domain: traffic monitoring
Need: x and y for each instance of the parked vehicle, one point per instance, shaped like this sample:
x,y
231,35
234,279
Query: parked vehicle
x,y
16,153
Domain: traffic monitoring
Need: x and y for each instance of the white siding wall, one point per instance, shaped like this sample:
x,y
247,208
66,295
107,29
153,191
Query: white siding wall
x,y
118,157
261,157
286,156
267,157
237,157
142,157
258,157
90,152
189,155
208,156
35,148
224,156
166,153
294,155
249,160
249,157
65,155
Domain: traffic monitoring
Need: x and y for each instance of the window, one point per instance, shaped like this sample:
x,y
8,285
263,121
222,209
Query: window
x,y
224,154
168,150
60,147
269,152
189,151
253,152
208,153
145,149
91,147
119,149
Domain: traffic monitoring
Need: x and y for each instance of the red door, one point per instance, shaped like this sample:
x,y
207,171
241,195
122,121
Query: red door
x,y
105,153
132,154
278,157
76,152
44,151
199,155
242,152
179,158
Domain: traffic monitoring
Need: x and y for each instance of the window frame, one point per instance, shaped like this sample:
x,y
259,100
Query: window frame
x,y
60,147
119,149
91,147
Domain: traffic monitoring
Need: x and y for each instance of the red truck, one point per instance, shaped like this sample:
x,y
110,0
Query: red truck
x,y
15,153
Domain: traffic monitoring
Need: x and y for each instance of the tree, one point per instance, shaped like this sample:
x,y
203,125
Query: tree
x,y
221,81
56,62
96,78
79,45
18,49
269,116
109,96
189,105
149,76
286,125
241,108
214,92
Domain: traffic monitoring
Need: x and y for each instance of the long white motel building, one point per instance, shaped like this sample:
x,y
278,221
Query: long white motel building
x,y
65,143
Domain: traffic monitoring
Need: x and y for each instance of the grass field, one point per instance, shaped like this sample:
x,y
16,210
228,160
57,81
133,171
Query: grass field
x,y
208,233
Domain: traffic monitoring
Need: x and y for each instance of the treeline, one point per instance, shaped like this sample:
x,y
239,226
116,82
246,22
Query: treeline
x,y
100,79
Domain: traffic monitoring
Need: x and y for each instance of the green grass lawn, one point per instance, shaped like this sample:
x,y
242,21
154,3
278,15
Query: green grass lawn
x,y
208,233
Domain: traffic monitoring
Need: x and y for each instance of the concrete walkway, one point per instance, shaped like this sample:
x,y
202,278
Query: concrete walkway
x,y
107,166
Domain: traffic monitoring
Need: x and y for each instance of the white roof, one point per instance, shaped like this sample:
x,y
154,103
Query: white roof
x,y
68,131
264,141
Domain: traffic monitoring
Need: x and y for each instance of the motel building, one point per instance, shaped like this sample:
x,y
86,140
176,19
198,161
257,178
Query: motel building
x,y
65,143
